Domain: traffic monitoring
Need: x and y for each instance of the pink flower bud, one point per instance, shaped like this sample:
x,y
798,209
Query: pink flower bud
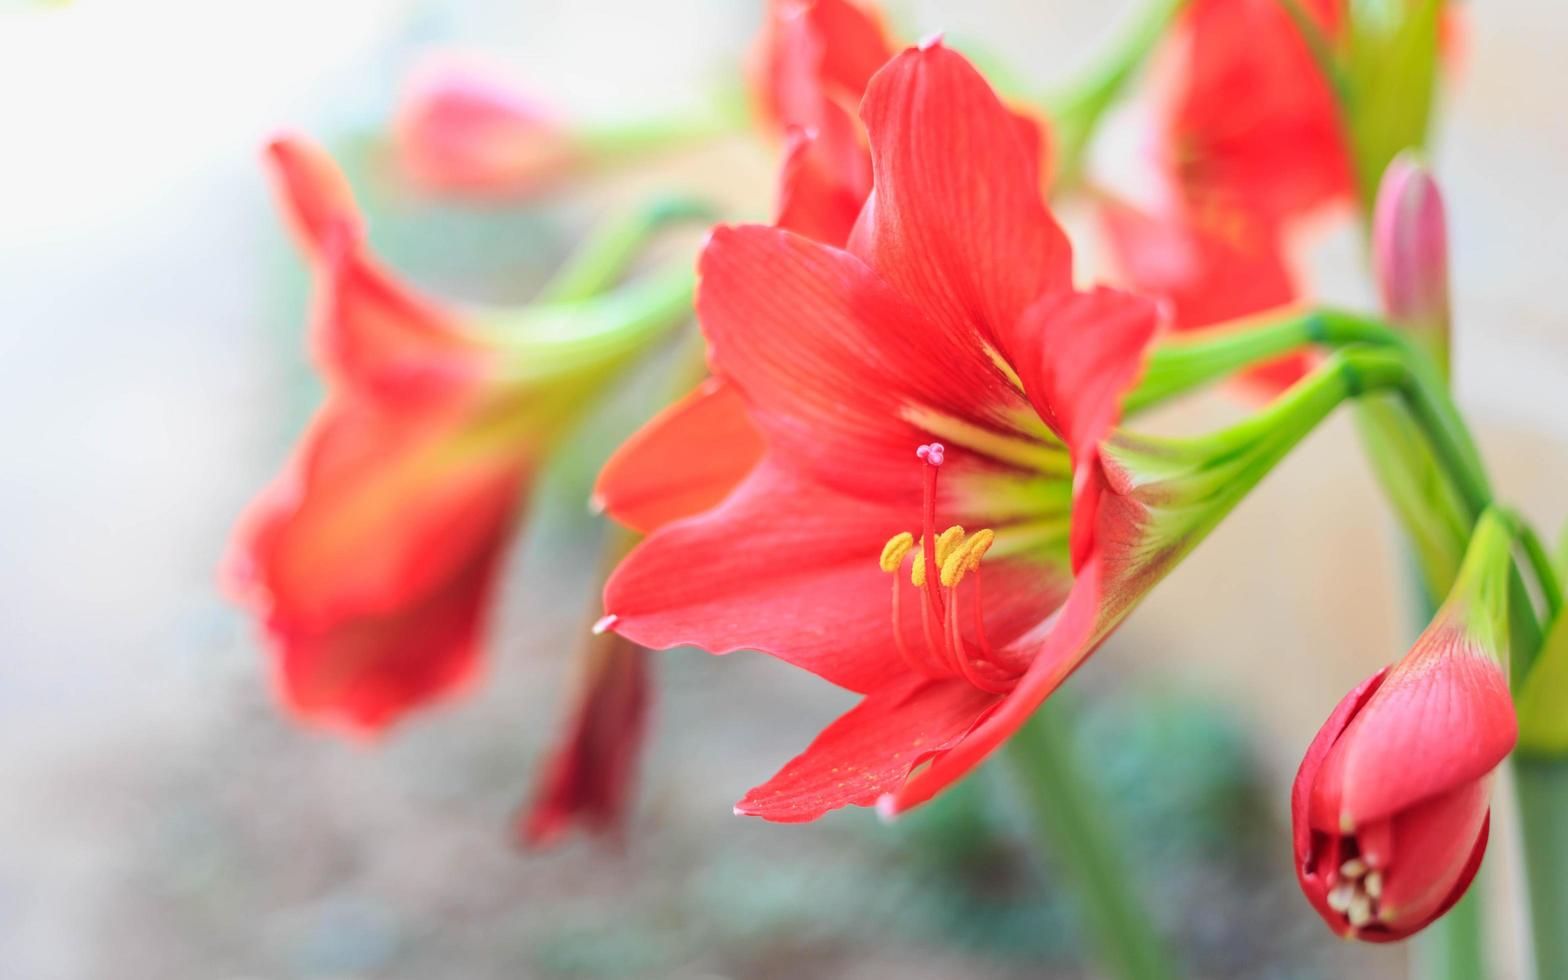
x,y
1410,253
463,129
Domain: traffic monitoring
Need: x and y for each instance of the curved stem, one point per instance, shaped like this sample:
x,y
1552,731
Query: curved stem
x,y
1541,566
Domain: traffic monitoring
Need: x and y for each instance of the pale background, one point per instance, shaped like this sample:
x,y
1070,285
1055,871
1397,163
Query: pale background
x,y
160,818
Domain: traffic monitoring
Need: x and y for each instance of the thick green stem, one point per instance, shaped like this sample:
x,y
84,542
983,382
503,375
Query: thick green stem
x,y
1069,820
1541,785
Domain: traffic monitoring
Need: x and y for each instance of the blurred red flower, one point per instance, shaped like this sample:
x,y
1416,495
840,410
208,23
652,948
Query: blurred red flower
x,y
1251,140
370,561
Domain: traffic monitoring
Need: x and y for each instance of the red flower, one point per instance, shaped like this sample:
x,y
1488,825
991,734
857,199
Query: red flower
x,y
1390,806
461,129
589,777
1252,140
371,559
950,325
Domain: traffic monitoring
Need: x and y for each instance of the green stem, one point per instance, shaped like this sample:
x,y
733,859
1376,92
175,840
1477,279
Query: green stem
x,y
1068,818
610,250
1194,360
1452,948
1541,565
1541,786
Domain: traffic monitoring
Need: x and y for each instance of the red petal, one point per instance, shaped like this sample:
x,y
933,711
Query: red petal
x,y
824,180
683,461
364,672
1072,636
1090,350
956,220
317,199
832,362
1304,791
815,50
789,568
590,774
1434,843
375,513
870,750
1442,718
371,332
856,43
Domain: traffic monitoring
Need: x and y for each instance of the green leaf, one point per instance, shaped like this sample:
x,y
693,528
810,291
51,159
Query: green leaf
x,y
1392,76
1542,703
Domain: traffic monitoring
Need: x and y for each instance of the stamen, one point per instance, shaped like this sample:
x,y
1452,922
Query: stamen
x,y
894,551
917,571
954,567
1373,883
1340,895
946,542
966,663
916,664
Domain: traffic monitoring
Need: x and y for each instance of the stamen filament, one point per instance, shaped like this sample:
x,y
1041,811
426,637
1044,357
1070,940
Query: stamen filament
x,y
916,664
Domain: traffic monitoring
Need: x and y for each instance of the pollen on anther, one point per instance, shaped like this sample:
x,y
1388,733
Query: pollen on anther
x,y
947,542
917,571
976,547
894,551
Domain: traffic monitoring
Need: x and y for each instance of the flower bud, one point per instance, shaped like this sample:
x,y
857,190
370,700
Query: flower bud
x,y
462,129
1410,253
1391,804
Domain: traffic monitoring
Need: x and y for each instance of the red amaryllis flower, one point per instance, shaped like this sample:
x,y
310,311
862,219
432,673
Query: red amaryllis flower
x,y
1390,806
589,777
371,559
949,325
462,129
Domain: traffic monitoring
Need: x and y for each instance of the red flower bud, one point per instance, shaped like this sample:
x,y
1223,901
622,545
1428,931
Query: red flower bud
x,y
1391,804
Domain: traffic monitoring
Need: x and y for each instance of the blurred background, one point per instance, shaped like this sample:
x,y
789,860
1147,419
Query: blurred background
x,y
163,818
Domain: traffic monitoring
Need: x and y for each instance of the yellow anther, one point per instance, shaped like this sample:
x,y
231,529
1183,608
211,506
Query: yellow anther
x,y
894,551
947,541
974,550
917,574
954,568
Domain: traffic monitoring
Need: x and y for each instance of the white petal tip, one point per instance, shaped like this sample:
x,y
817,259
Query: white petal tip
x,y
604,623
887,808
930,41
737,811
595,504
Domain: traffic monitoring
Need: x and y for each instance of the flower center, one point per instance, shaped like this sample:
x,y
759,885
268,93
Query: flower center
x,y
942,562
1356,890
